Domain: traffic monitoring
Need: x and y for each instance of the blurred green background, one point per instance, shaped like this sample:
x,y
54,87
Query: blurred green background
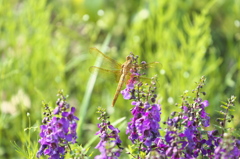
x,y
44,47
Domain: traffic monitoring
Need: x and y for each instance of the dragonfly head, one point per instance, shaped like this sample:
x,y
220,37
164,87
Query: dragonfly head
x,y
130,58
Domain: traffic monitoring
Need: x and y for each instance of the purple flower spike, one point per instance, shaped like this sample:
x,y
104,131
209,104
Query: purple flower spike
x,y
144,125
109,145
58,131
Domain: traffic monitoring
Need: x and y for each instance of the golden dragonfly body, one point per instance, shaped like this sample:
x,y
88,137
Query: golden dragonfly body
x,y
126,66
120,71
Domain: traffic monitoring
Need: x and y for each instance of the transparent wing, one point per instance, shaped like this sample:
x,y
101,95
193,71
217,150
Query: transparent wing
x,y
107,61
150,65
105,73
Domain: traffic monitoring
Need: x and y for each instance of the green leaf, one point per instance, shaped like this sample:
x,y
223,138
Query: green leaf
x,y
224,103
224,107
222,113
221,119
219,127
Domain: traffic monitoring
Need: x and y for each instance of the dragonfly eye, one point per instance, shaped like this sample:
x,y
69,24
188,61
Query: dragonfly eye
x,y
129,57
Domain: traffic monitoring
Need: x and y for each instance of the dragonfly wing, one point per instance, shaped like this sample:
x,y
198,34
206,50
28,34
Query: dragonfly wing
x,y
151,65
143,79
105,73
109,62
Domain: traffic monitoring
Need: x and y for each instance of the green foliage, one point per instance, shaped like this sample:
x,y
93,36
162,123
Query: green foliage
x,y
133,151
44,47
77,151
226,116
180,43
29,148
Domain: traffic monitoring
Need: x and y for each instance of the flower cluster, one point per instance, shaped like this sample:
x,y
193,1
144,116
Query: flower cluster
x,y
185,136
228,148
58,129
144,126
110,143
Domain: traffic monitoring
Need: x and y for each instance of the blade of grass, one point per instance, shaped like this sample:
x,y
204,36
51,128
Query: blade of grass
x,y
89,89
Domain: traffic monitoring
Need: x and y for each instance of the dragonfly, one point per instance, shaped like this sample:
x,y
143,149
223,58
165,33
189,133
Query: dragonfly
x,y
121,72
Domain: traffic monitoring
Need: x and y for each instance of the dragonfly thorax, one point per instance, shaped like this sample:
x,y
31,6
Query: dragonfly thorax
x,y
130,58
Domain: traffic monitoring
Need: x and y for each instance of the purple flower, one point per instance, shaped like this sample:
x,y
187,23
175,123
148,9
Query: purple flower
x,y
128,92
228,148
109,145
144,125
58,131
205,103
183,137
